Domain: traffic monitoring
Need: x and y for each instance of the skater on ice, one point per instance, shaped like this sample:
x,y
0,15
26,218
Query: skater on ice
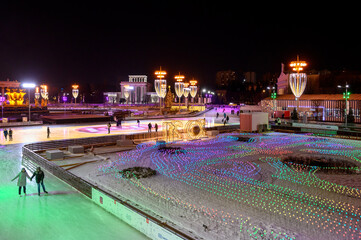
x,y
39,178
22,180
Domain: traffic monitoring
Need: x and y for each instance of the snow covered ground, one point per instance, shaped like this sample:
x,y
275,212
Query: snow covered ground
x,y
227,189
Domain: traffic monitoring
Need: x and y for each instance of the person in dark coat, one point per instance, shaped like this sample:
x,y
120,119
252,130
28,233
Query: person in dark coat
x,y
39,178
48,132
109,125
22,180
149,127
10,134
6,134
156,127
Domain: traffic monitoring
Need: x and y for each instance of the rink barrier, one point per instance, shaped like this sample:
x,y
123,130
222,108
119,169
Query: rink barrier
x,y
71,179
143,222
138,219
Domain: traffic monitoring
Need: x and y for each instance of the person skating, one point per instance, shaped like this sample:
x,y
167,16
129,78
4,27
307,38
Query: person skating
x,y
149,127
109,125
10,134
227,118
6,134
138,122
39,178
156,127
48,132
22,180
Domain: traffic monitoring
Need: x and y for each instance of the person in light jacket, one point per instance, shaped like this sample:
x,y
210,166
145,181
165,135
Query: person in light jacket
x,y
22,180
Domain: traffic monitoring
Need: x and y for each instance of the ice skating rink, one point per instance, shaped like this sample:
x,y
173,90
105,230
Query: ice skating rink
x,y
62,214
69,131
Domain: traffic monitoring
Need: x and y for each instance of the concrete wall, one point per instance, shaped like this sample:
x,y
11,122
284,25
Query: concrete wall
x,y
137,221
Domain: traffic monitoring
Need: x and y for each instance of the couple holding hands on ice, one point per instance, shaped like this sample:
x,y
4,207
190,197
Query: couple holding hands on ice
x,y
39,177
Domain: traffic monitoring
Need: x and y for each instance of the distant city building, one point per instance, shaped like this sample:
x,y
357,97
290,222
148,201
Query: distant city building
x,y
137,87
112,97
224,78
250,77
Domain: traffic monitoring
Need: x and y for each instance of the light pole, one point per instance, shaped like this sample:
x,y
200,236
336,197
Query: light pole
x,y
44,93
179,87
160,85
75,91
29,86
298,80
193,88
273,96
186,93
346,95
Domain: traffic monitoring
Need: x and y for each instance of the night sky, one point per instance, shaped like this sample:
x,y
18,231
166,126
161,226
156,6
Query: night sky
x,y
60,44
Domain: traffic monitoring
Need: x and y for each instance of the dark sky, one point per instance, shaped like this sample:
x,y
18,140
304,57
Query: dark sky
x,y
62,43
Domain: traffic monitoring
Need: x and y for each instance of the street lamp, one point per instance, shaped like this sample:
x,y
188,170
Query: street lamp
x,y
179,86
193,88
160,85
298,80
346,95
75,91
37,96
29,86
44,93
273,96
186,93
127,90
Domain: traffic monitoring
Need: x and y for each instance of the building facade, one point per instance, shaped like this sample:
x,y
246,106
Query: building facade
x,y
135,89
319,107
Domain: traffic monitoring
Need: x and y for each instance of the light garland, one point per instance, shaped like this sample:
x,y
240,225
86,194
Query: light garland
x,y
232,170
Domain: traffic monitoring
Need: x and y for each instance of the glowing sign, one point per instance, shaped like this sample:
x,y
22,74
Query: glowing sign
x,y
194,129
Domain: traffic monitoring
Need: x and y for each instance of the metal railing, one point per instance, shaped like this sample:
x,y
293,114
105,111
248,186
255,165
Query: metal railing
x,y
82,185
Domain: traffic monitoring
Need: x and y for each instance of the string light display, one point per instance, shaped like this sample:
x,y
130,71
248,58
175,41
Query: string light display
x,y
253,175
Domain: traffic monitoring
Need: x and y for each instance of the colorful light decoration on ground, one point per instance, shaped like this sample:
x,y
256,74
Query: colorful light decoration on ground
x,y
298,80
224,169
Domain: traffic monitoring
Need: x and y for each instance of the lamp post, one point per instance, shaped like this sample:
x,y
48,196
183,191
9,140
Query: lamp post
x,y
298,80
75,91
29,86
193,88
346,95
44,93
160,85
127,89
186,93
179,86
273,96
37,96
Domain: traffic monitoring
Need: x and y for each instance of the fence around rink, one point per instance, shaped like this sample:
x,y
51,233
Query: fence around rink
x,y
138,219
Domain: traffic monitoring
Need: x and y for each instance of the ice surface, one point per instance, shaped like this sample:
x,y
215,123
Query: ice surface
x,y
62,214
